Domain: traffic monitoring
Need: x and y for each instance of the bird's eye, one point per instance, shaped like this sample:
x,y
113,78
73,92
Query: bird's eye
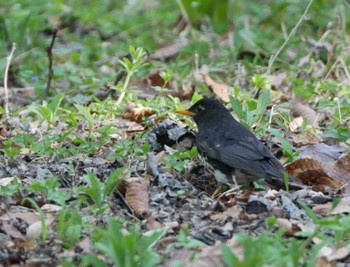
x,y
199,108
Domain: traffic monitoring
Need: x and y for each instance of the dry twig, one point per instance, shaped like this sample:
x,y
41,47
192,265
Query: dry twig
x,y
9,58
49,55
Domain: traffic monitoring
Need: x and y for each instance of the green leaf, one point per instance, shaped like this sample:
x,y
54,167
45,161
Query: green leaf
x,y
237,108
112,181
55,103
94,191
86,114
42,217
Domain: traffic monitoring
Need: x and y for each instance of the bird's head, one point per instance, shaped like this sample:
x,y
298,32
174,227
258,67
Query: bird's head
x,y
205,110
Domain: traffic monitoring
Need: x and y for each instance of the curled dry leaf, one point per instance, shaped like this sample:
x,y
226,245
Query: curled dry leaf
x,y
295,124
136,114
291,228
304,110
220,90
327,208
3,131
328,255
137,198
332,174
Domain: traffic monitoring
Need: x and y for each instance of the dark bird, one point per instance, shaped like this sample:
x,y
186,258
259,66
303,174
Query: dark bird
x,y
230,148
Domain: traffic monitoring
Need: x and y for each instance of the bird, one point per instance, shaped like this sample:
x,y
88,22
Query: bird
x,y
232,150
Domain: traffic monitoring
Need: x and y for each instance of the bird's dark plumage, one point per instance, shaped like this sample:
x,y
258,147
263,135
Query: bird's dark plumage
x,y
229,146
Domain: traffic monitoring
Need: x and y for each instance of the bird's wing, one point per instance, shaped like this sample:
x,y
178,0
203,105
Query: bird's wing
x,y
248,155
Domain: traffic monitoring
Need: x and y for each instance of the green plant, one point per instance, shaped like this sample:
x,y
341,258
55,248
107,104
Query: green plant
x,y
49,188
136,147
131,67
13,188
98,191
267,250
251,111
128,249
48,111
42,217
69,227
9,150
87,116
185,240
288,152
179,159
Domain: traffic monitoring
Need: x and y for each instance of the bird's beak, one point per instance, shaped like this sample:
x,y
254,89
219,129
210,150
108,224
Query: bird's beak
x,y
185,112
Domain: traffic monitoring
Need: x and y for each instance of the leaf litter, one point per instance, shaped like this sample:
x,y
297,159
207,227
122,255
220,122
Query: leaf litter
x,y
159,196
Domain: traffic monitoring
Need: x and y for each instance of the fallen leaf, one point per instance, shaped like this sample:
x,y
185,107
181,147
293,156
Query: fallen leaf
x,y
313,172
137,198
136,113
233,212
305,138
10,230
212,256
169,51
278,79
27,216
296,123
339,254
322,152
34,230
290,228
220,90
6,181
302,109
327,208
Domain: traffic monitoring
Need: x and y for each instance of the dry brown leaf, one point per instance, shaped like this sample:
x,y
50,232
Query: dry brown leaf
x,y
8,229
29,244
301,108
220,90
152,224
3,131
6,181
327,256
34,231
303,165
305,138
278,79
170,50
136,113
85,245
25,92
291,228
27,216
137,198
313,172
233,212
212,256
296,123
339,254
326,209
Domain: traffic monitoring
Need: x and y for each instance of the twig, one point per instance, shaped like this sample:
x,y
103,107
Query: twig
x,y
49,55
292,33
8,63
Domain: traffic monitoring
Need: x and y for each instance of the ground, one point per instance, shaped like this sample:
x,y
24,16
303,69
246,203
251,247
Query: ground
x,y
97,168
